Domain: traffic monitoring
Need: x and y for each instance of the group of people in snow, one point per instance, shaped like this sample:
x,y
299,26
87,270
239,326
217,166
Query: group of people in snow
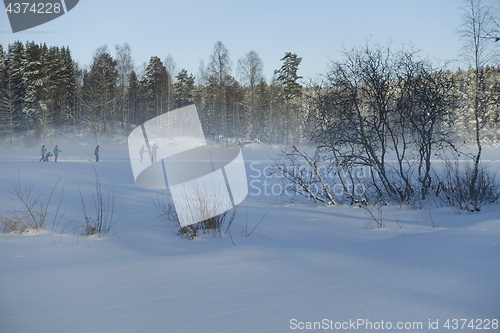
x,y
46,154
154,150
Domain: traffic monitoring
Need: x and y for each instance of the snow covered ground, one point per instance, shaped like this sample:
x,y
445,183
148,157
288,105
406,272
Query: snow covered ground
x,y
302,267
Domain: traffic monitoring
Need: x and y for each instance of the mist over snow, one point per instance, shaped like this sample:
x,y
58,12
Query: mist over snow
x,y
301,264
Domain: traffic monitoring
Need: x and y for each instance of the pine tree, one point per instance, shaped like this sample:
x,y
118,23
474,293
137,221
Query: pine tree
x,y
52,69
67,86
236,118
14,90
153,89
90,100
132,104
32,80
184,89
261,118
288,79
5,128
103,77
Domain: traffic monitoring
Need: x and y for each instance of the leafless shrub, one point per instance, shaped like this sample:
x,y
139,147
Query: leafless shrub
x,y
328,179
301,174
101,223
456,189
216,225
34,214
12,222
375,212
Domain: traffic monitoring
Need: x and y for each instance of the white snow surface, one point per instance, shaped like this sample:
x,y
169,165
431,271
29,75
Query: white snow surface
x,y
301,262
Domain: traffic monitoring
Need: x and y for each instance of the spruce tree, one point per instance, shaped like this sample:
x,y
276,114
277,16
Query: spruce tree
x,y
287,78
14,88
153,89
103,77
132,101
184,89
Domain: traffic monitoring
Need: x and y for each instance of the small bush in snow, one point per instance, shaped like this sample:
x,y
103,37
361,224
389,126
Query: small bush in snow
x,y
33,215
455,186
101,223
215,225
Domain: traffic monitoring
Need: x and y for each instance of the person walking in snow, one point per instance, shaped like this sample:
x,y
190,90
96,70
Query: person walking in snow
x,y
96,153
43,153
142,151
56,152
154,149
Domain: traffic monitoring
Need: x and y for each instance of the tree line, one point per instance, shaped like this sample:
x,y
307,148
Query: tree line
x,y
42,88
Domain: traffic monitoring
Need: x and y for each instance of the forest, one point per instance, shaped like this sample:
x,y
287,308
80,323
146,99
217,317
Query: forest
x,y
43,88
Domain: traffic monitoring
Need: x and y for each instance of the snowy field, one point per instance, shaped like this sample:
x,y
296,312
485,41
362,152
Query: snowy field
x,y
302,267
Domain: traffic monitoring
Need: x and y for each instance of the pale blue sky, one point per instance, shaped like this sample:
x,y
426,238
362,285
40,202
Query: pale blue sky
x,y
316,30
